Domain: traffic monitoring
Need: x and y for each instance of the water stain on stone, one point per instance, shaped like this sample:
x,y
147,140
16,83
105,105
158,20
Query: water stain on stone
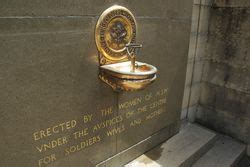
x,y
227,74
156,153
228,29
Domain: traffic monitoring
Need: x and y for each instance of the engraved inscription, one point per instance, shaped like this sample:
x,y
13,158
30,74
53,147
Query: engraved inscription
x,y
68,137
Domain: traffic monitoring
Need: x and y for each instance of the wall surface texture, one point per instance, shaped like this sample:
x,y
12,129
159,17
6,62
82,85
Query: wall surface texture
x,y
221,95
54,111
197,46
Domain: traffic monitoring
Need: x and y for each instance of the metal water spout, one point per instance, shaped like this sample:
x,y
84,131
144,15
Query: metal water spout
x,y
133,50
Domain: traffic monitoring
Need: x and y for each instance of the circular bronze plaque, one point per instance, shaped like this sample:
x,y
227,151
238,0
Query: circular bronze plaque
x,y
115,29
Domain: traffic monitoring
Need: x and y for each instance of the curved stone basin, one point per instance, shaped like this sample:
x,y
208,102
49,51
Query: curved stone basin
x,y
123,70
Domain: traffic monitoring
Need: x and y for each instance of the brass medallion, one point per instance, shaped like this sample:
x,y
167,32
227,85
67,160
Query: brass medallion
x,y
115,35
115,29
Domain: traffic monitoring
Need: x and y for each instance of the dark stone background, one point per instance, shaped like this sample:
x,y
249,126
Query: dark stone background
x,y
49,74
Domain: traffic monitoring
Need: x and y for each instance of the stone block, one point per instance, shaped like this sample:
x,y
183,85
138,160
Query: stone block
x,y
189,73
141,147
225,152
186,98
223,121
248,150
92,8
207,2
229,36
198,71
181,150
195,94
49,79
204,18
192,113
231,3
222,74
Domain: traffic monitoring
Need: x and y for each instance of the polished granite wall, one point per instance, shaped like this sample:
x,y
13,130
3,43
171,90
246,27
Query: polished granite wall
x,y
54,109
